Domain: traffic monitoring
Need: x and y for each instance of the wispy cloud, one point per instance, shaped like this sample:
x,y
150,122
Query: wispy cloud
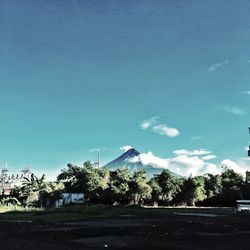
x,y
161,129
246,92
93,150
246,159
148,123
209,157
217,66
96,150
233,110
192,152
125,148
196,138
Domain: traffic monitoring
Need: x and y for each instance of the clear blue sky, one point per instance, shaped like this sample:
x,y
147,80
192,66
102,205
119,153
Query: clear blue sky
x,y
81,75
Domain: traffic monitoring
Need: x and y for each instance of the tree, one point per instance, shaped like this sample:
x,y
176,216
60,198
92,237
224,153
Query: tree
x,y
50,193
74,177
87,179
169,184
97,180
36,191
156,191
31,188
232,186
119,185
213,185
194,190
139,188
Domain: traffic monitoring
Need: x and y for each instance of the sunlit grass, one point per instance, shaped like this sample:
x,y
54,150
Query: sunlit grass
x,y
15,208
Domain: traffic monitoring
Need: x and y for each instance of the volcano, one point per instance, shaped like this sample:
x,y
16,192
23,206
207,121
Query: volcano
x,y
126,161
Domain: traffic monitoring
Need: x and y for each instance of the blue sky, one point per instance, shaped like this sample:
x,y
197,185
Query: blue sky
x,y
76,76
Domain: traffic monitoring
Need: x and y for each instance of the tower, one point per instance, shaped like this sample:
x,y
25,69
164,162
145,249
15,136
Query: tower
x,y
249,146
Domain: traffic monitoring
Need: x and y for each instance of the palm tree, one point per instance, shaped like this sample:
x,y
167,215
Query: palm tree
x,y
30,191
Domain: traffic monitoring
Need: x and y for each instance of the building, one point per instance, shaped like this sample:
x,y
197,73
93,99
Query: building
x,y
9,182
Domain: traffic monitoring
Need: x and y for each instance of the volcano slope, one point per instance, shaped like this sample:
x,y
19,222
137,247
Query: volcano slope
x,y
131,160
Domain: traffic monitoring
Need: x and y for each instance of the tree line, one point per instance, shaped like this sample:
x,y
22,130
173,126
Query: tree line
x,y
121,187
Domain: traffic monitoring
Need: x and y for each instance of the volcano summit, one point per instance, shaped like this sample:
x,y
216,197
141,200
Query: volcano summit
x,y
131,161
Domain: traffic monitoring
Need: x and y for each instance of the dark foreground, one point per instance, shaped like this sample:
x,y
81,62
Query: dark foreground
x,y
126,229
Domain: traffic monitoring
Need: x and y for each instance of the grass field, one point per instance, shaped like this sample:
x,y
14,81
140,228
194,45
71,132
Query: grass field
x,y
101,227
79,212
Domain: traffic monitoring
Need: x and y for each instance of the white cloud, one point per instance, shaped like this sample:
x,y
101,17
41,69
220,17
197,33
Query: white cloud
x,y
211,169
185,163
162,129
246,159
94,150
194,163
193,152
246,92
216,66
125,148
148,123
228,164
150,159
209,157
190,161
196,138
234,110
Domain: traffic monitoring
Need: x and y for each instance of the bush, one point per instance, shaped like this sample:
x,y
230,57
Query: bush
x,y
10,202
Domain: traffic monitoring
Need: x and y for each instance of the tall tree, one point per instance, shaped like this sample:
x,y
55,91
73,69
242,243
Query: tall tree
x,y
156,193
139,188
169,184
213,185
50,193
31,188
119,185
232,186
194,190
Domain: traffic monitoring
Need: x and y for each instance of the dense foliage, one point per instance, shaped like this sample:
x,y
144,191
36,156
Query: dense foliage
x,y
122,187
35,192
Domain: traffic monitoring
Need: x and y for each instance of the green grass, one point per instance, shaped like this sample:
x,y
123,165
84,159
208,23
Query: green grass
x,y
58,214
78,212
14,208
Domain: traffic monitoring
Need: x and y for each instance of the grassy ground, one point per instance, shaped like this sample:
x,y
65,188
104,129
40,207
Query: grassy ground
x,y
102,227
5,209
79,212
